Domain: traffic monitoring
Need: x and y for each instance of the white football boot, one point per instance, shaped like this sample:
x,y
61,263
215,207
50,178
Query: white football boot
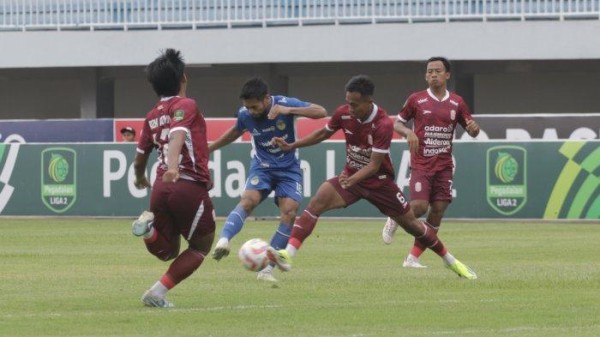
x,y
143,224
389,229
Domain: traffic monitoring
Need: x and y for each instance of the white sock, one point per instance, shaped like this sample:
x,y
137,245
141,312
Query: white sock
x,y
223,242
448,258
291,250
159,289
149,234
267,269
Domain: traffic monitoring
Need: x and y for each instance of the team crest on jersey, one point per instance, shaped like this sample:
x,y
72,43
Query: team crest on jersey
x,y
178,115
452,114
254,180
280,125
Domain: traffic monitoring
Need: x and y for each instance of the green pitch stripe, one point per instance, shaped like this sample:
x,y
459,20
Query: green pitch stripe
x,y
565,180
584,194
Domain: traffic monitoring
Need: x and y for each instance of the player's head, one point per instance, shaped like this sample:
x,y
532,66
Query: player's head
x,y
359,96
166,73
255,97
438,72
128,134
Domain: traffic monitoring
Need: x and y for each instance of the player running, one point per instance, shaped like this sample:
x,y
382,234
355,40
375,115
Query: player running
x,y
435,112
266,116
368,174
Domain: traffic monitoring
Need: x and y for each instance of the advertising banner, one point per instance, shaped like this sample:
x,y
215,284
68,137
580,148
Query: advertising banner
x,y
533,180
56,131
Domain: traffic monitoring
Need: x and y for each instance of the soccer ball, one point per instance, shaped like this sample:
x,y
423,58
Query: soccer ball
x,y
253,254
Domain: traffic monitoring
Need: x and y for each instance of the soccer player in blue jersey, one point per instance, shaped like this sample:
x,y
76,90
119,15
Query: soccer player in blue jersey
x,y
266,116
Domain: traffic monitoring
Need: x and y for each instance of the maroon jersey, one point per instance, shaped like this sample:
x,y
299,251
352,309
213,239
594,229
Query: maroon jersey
x,y
434,124
171,114
362,138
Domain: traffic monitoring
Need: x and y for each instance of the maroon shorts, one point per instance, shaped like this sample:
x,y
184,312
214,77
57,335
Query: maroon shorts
x,y
182,208
431,186
381,193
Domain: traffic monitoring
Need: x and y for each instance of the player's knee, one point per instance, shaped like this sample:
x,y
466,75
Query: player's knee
x,y
419,207
166,255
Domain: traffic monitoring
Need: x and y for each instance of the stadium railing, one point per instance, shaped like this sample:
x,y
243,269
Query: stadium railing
x,y
197,14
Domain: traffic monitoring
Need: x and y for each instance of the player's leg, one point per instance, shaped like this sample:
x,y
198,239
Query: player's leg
x,y
428,238
193,215
421,184
236,219
288,208
162,238
330,195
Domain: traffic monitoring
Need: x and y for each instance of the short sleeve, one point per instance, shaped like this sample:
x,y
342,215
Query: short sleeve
x,y
408,110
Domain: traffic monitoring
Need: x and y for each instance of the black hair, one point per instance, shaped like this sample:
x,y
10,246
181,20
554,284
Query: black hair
x,y
443,60
254,88
166,72
361,84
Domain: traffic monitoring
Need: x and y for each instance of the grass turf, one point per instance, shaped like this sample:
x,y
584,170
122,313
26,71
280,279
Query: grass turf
x,y
74,277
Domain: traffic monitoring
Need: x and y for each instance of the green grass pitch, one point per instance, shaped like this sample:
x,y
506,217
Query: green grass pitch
x,y
74,277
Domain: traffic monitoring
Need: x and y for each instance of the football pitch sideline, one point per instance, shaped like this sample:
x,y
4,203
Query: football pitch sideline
x,y
77,277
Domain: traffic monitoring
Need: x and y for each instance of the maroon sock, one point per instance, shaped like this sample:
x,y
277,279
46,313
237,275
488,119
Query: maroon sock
x,y
302,228
418,248
431,241
183,266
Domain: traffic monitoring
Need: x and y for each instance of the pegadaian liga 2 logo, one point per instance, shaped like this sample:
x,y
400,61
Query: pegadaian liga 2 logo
x,y
506,178
59,178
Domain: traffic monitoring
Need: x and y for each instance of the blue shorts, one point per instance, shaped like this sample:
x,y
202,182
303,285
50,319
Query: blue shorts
x,y
287,183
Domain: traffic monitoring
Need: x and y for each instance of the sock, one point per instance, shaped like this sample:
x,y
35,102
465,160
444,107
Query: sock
x,y
281,236
291,249
448,258
430,240
418,248
183,266
303,226
268,268
159,288
234,223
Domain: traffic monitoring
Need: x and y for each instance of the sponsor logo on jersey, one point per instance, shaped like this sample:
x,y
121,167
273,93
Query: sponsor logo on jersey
x,y
178,115
346,117
59,178
255,132
348,131
422,100
280,125
426,112
506,178
454,103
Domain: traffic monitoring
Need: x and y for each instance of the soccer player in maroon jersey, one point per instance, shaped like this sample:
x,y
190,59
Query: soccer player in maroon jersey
x,y
179,203
435,113
368,174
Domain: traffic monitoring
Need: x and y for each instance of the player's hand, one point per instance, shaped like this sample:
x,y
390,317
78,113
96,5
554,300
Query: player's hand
x,y
413,142
277,110
344,180
141,182
171,176
472,128
281,143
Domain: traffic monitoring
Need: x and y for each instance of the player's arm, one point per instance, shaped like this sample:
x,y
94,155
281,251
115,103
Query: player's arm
x,y
466,120
139,167
227,138
314,138
176,140
313,111
403,130
365,172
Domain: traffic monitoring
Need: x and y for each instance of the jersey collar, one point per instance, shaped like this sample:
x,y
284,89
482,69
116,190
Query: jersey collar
x,y
371,116
430,93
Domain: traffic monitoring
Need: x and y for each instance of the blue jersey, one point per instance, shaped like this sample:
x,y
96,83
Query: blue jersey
x,y
266,154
